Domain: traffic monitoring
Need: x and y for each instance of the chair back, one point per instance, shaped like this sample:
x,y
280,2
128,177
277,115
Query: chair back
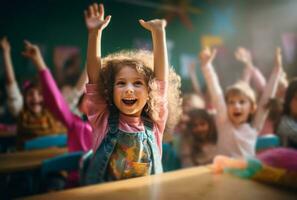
x,y
267,141
65,162
59,140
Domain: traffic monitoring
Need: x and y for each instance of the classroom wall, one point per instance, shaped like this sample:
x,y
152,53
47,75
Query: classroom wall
x,y
52,23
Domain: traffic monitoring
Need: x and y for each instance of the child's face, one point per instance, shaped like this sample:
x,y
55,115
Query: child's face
x,y
201,127
239,107
293,106
34,100
130,91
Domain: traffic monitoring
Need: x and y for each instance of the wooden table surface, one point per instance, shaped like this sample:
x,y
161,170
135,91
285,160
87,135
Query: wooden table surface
x,y
5,134
27,160
187,184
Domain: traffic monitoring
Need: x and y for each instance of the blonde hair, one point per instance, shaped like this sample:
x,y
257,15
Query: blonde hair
x,y
242,88
142,62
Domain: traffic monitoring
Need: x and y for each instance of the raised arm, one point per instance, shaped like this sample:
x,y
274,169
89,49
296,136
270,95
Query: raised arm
x,y
269,91
95,23
206,58
194,79
53,98
15,99
250,72
157,29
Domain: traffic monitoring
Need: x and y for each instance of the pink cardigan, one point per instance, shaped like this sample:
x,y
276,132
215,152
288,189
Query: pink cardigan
x,y
80,137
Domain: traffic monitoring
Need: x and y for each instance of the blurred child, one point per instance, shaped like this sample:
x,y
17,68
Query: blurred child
x,y
79,132
287,128
199,140
127,103
34,119
236,136
251,74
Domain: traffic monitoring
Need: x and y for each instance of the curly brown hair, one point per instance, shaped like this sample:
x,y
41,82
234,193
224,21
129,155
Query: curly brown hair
x,y
142,62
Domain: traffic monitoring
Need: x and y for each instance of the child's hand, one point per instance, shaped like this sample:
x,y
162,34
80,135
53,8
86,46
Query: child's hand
x,y
31,51
206,56
94,18
278,58
5,44
154,25
243,55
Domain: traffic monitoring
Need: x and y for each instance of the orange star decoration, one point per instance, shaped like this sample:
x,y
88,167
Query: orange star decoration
x,y
170,8
180,8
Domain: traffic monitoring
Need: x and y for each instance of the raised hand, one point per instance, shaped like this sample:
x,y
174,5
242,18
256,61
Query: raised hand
x,y
94,17
5,44
153,25
32,52
206,56
243,55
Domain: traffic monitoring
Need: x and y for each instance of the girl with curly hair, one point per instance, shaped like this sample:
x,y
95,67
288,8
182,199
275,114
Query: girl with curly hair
x,y
128,103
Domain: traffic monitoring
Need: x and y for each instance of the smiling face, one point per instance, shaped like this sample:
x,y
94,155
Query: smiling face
x,y
34,100
239,108
200,127
130,91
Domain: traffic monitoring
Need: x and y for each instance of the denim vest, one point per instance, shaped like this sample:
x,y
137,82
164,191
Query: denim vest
x,y
97,168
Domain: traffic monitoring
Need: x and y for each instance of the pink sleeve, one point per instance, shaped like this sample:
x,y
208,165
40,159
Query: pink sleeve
x,y
216,93
246,75
97,112
159,125
54,100
269,92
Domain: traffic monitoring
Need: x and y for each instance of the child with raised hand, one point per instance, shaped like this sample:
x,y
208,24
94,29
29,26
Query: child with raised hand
x,y
236,135
127,96
251,74
79,132
287,128
33,119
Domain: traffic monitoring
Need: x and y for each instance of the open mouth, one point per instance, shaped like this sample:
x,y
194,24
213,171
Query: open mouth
x,y
236,114
129,102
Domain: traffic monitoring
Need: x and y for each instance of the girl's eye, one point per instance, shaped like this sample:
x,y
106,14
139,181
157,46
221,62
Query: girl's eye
x,y
138,83
120,83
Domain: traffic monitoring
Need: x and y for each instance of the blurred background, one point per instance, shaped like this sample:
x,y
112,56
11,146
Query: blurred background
x,y
58,27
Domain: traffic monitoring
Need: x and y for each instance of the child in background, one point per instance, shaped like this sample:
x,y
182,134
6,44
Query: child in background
x,y
236,136
33,119
287,128
127,97
276,166
79,132
254,77
251,74
199,140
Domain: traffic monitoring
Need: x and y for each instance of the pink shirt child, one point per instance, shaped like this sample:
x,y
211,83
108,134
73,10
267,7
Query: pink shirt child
x,y
98,113
80,137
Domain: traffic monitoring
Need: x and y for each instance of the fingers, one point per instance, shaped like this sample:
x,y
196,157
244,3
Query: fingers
x,y
101,10
107,20
91,11
143,23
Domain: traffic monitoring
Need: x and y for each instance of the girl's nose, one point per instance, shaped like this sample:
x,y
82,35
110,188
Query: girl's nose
x,y
129,89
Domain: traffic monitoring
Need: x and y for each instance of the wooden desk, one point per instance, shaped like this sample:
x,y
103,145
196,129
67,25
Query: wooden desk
x,y
5,134
194,183
27,160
